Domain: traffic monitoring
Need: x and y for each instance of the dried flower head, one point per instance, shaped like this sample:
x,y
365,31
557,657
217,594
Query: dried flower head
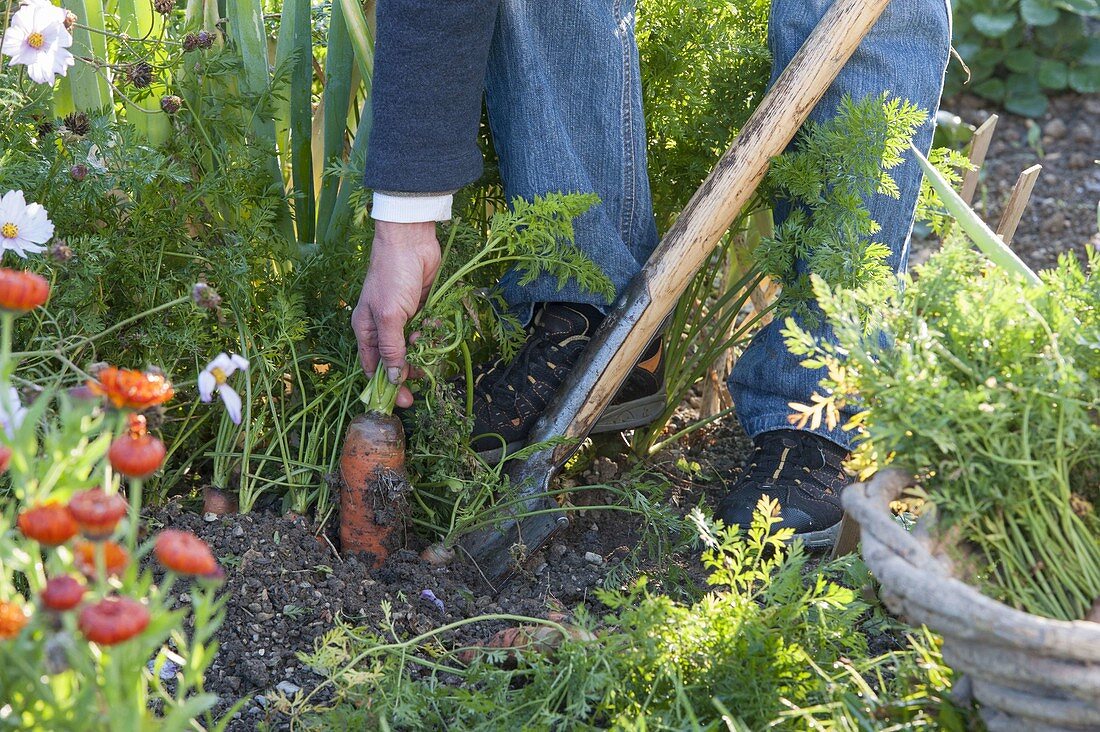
x,y
50,523
62,593
97,512
170,104
205,39
70,20
44,127
185,553
113,620
60,252
130,389
12,619
205,296
164,7
190,42
140,74
77,123
115,558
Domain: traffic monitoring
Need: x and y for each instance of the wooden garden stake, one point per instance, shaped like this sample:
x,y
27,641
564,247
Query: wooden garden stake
x,y
1017,202
979,146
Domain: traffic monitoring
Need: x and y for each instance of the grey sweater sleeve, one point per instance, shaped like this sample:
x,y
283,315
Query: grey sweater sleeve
x,y
429,76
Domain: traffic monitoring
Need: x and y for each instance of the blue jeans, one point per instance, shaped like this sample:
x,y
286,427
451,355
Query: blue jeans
x,y
564,98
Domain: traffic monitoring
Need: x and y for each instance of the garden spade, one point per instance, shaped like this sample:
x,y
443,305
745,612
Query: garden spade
x,y
638,313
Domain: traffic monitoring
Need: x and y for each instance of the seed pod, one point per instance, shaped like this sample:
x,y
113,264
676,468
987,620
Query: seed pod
x,y
70,20
77,123
170,104
78,172
140,74
164,7
190,42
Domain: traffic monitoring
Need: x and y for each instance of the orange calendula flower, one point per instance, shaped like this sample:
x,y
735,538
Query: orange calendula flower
x,y
12,619
130,389
49,523
115,558
97,512
22,291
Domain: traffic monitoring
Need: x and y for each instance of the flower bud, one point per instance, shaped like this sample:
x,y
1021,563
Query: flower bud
x,y
170,104
79,172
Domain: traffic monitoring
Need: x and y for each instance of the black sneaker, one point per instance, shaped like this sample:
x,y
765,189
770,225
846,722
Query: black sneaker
x,y
510,397
801,470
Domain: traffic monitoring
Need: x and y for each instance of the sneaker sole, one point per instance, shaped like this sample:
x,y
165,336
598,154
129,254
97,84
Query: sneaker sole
x,y
616,418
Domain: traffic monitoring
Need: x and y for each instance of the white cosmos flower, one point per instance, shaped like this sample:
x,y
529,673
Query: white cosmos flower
x,y
12,412
215,375
38,39
24,227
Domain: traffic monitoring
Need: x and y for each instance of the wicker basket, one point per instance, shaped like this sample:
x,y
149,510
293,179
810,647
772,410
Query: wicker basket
x,y
1027,672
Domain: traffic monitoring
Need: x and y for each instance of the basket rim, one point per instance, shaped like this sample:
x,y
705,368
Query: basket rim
x,y
924,577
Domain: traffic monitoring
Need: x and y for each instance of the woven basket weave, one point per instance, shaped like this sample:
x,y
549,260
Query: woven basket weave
x,y
1027,672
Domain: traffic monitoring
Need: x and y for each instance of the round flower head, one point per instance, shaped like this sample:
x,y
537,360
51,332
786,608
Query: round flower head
x,y
185,553
216,375
21,292
5,458
97,512
49,523
24,227
62,593
113,620
129,389
136,453
39,40
115,558
12,619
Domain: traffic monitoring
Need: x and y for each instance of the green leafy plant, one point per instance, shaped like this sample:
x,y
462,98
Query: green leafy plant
x,y
985,385
766,648
1017,52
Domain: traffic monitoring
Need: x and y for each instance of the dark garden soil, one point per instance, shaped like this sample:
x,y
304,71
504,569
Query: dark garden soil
x,y
1062,215
288,585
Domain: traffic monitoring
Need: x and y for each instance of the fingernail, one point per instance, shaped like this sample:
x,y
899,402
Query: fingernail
x,y
394,374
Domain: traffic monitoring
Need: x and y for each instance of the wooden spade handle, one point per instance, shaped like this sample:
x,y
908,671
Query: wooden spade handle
x,y
653,293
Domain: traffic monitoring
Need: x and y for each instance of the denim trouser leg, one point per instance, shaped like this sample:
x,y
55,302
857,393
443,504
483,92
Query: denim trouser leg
x,y
564,98
905,54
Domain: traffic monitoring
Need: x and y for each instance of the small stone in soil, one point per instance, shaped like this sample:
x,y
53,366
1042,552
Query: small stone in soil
x,y
261,700
1055,129
557,551
593,558
210,517
288,688
238,531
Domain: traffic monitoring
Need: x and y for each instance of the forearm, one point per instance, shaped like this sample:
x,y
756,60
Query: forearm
x,y
430,60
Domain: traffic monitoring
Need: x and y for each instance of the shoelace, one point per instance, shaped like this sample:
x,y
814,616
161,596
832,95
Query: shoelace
x,y
774,460
519,368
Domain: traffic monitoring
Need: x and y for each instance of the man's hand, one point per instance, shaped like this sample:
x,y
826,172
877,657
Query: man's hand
x,y
404,262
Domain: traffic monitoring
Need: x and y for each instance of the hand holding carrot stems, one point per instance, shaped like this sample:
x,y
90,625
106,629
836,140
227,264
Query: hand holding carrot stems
x,y
404,263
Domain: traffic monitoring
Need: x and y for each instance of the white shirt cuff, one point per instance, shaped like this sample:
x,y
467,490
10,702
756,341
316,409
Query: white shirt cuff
x,y
411,209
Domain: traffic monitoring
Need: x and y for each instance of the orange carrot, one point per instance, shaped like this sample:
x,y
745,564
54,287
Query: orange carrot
x,y
372,503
